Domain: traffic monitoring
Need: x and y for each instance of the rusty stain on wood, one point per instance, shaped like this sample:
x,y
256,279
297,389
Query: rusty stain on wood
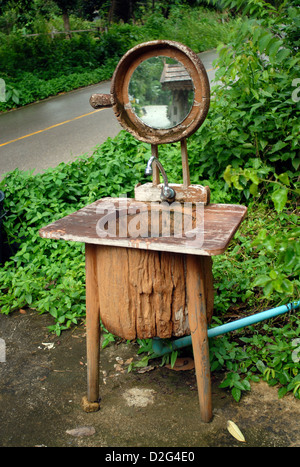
x,y
185,164
155,177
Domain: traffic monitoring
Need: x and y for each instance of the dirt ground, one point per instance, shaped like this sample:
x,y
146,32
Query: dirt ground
x,y
43,379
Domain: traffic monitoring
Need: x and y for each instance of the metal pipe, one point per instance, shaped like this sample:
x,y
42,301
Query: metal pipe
x,y
161,348
148,170
167,193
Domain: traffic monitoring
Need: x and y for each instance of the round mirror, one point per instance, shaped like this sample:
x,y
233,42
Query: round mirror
x,y
161,92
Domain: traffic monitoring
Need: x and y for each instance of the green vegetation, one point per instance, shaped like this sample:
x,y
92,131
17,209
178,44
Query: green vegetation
x,y
36,67
247,151
263,352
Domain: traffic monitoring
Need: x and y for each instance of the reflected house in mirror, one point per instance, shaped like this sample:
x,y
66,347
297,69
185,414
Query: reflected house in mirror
x,y
148,100
165,98
175,78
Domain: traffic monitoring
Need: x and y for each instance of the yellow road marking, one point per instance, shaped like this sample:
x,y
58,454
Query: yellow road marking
x,y
49,127
58,124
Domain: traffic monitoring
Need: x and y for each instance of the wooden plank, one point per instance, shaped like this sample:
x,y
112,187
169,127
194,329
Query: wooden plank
x,y
91,404
142,294
198,325
191,194
155,177
185,164
220,222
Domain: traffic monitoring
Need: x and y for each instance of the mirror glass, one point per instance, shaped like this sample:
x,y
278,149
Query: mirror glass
x,y
161,92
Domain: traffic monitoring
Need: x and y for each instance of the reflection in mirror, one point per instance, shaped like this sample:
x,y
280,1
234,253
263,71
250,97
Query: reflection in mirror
x,y
161,92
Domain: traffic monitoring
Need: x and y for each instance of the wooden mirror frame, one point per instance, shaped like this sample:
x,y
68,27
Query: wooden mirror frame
x,y
119,97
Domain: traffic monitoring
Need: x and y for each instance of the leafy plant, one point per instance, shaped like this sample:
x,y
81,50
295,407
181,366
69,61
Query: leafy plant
x,y
284,251
246,151
253,115
255,172
50,276
39,67
12,94
145,347
266,355
261,352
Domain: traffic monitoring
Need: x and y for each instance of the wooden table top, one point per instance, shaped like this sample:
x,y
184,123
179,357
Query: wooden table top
x,y
127,223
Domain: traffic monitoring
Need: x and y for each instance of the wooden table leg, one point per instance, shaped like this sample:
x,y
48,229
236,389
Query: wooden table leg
x,y
196,266
91,402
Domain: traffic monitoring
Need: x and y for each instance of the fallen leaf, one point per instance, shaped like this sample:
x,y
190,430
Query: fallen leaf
x,y
82,431
235,431
118,367
182,364
145,369
23,312
48,345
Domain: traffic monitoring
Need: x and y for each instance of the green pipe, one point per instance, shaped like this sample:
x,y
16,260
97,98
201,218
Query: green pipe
x,y
161,348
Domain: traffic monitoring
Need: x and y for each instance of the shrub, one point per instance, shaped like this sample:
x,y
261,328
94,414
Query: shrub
x,y
38,67
252,131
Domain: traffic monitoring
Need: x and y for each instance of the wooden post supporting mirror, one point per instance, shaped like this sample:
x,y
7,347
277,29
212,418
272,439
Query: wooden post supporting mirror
x,y
160,93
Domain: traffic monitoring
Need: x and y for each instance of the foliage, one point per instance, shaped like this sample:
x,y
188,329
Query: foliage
x,y
246,151
269,355
28,88
251,139
267,352
38,67
254,119
206,29
45,275
283,250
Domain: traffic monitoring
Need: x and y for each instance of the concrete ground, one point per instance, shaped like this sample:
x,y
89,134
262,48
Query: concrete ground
x,y
43,378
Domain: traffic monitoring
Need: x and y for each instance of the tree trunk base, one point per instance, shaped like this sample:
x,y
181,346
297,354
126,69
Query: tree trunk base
x,y
142,294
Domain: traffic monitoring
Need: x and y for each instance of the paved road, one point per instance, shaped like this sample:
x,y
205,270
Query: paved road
x,y
60,129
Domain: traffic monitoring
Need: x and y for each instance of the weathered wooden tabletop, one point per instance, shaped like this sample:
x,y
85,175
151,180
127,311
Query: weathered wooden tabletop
x,y
211,235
